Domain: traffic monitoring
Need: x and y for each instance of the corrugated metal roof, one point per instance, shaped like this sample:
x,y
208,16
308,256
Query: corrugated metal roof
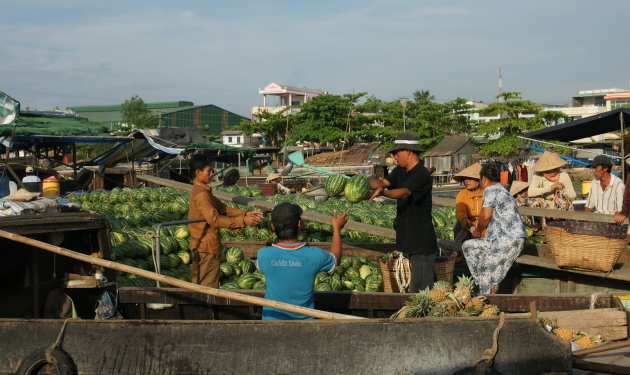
x,y
448,145
118,107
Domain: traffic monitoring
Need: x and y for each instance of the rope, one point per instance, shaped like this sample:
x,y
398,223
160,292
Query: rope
x,y
401,266
48,351
482,365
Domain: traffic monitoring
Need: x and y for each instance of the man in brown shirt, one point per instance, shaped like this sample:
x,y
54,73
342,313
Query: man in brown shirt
x,y
205,239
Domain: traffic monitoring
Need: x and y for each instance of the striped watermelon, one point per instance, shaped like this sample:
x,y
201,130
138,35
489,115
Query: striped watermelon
x,y
335,185
247,281
356,189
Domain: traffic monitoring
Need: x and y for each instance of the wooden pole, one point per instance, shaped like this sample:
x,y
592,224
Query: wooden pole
x,y
176,282
602,348
605,368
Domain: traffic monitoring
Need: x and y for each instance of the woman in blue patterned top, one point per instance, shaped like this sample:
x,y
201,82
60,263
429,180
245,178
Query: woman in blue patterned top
x,y
490,258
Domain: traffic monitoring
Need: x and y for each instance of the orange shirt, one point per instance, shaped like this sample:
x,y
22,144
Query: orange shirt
x,y
468,204
205,236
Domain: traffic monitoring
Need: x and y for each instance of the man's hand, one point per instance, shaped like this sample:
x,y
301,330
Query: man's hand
x,y
619,218
465,223
339,222
378,192
557,186
252,218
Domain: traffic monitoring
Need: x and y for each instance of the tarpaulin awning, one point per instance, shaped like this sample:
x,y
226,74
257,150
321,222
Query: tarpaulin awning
x,y
586,127
141,146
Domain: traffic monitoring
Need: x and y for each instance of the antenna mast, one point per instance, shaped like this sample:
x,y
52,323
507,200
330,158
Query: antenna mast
x,y
500,74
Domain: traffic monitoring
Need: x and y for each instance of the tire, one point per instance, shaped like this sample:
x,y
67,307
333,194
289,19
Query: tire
x,y
62,364
231,177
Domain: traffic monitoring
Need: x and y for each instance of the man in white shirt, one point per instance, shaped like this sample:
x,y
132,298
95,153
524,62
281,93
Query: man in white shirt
x,y
30,175
274,178
606,194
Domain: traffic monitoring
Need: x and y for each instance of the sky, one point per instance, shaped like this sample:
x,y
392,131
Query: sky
x,y
67,53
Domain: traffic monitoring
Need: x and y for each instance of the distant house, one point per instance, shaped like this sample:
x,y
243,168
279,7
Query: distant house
x,y
454,151
286,96
237,138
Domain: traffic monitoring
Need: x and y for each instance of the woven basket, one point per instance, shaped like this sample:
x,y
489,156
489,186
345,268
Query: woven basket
x,y
583,251
387,268
444,270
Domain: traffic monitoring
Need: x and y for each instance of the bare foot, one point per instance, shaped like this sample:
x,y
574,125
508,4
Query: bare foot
x,y
494,289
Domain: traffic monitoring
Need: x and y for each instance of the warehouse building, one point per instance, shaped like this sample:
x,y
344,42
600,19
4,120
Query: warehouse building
x,y
182,114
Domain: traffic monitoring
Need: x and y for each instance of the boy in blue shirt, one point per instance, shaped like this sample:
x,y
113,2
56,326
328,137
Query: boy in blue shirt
x,y
290,266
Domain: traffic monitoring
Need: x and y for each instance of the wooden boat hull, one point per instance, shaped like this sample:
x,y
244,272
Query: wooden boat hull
x,y
372,346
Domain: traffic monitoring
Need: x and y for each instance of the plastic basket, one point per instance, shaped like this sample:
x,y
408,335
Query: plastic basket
x,y
584,251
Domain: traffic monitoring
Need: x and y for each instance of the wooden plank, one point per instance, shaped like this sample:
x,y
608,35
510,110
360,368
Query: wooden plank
x,y
621,271
565,301
266,206
587,319
606,368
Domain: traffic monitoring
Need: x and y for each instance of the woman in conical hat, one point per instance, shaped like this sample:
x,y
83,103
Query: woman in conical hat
x,y
549,187
468,201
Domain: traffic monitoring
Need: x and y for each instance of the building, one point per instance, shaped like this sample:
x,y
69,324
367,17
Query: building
x,y
285,96
453,151
237,138
618,99
182,114
586,103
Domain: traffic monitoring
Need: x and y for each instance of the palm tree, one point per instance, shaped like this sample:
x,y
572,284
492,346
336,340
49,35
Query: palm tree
x,y
423,96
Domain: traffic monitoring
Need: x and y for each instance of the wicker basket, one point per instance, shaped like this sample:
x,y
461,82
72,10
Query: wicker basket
x,y
388,271
444,270
583,251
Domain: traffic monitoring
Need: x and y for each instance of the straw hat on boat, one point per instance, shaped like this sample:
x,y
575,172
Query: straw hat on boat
x,y
272,176
517,187
469,172
549,161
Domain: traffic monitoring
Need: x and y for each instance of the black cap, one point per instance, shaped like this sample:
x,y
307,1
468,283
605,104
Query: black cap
x,y
601,160
406,141
286,214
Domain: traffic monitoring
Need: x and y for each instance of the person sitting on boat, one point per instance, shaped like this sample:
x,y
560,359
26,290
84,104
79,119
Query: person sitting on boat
x,y
606,194
274,178
30,175
490,258
549,187
468,202
625,207
290,266
519,191
205,238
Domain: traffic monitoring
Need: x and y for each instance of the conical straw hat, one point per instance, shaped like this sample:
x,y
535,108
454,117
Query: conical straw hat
x,y
549,161
517,187
272,176
469,172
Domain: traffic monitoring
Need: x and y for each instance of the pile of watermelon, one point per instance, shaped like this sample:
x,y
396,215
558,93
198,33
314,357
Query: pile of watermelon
x,y
355,274
236,272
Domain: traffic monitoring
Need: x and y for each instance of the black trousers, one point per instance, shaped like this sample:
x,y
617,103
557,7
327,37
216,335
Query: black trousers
x,y
422,271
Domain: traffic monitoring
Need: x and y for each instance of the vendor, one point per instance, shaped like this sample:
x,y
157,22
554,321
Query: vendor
x,y
549,187
606,194
519,191
274,178
468,202
411,184
490,258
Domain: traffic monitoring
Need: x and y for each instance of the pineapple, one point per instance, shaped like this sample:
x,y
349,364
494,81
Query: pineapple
x,y
439,291
463,288
440,310
476,303
450,305
402,313
586,341
565,333
490,310
417,307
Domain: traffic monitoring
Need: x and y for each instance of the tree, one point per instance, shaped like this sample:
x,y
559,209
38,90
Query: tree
x,y
135,113
272,126
551,118
423,96
509,125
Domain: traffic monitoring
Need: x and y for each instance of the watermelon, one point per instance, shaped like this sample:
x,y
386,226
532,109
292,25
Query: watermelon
x,y
373,283
259,285
234,255
357,281
247,281
181,232
335,185
347,285
229,284
356,189
345,262
335,283
323,287
247,266
365,271
351,273
226,269
173,260
184,256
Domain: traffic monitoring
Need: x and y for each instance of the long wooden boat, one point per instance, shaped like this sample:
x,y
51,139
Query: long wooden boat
x,y
174,331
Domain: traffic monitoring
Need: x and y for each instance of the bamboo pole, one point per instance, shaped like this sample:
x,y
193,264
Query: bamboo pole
x,y
176,282
602,348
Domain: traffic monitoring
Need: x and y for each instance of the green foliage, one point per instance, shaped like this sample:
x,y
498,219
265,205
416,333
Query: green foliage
x,y
551,118
273,126
135,112
504,146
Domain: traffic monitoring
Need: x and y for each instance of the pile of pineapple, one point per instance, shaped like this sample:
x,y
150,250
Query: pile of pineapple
x,y
579,338
443,301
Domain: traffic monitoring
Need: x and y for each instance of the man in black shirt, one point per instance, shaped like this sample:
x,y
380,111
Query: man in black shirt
x,y
410,184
